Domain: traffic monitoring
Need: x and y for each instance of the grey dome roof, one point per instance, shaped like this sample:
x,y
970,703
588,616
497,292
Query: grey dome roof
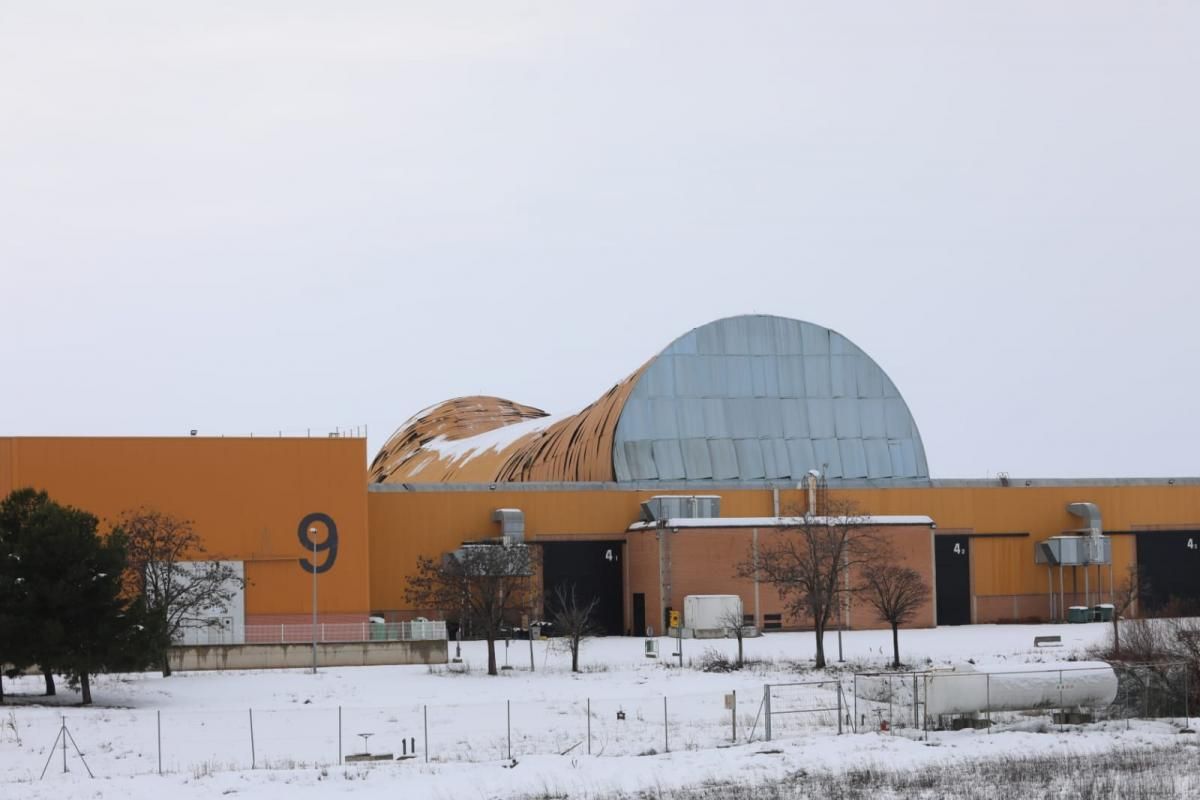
x,y
754,398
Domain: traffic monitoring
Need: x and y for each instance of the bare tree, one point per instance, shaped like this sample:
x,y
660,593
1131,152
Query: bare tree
x,y
734,621
181,589
810,562
1132,588
483,586
896,593
574,619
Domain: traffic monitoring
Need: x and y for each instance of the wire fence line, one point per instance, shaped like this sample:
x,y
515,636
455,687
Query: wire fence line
x,y
201,741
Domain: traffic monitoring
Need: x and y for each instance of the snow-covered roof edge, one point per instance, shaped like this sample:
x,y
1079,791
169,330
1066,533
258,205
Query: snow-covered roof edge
x,y
777,522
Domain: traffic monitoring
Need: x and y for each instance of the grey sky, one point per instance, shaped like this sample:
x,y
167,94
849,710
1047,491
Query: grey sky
x,y
258,216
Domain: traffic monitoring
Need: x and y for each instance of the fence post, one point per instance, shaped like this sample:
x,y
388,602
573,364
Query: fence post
x,y
666,728
840,705
916,704
1062,716
734,715
767,710
925,716
891,693
988,676
1187,709
425,714
589,725
340,762
854,721
158,715
253,761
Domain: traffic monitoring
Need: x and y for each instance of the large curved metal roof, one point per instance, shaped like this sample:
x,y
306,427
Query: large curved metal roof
x,y
748,398
761,398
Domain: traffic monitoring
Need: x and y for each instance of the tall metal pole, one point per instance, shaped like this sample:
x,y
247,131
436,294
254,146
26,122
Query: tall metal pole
x,y
312,535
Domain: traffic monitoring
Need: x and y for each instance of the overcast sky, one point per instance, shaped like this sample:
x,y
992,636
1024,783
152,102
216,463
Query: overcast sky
x,y
254,216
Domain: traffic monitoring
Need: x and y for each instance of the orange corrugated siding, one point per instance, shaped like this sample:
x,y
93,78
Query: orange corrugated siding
x,y
245,496
407,524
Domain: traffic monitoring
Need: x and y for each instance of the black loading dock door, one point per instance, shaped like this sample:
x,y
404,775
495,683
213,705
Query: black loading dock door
x,y
952,561
595,570
1170,564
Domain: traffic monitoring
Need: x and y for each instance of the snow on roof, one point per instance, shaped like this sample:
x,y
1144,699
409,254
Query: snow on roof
x,y
775,522
497,439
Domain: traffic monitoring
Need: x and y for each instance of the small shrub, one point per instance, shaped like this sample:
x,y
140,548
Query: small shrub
x,y
713,660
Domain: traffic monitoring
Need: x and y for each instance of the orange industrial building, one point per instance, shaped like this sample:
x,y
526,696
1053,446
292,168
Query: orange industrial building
x,y
735,418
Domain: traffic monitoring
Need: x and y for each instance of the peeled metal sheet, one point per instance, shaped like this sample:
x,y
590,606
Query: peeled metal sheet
x,y
668,459
801,456
854,458
775,458
794,413
871,418
724,459
768,417
897,419
696,462
640,457
845,412
879,460
765,376
791,376
829,457
740,413
815,340
843,375
816,376
820,418
750,459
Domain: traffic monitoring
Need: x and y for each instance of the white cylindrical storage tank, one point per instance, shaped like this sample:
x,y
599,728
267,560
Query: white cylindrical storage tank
x,y
968,689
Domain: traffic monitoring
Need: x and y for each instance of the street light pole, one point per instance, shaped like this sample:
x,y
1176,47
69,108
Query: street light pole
x,y
312,536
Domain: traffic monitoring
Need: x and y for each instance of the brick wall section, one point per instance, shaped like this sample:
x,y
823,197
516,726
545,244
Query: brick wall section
x,y
704,561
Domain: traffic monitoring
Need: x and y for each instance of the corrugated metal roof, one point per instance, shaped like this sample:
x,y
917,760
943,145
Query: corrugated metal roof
x,y
774,398
746,399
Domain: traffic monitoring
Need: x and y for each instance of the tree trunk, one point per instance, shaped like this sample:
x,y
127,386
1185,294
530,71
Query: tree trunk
x,y
1116,636
491,643
50,691
740,662
166,665
574,654
820,631
1,689
895,646
86,687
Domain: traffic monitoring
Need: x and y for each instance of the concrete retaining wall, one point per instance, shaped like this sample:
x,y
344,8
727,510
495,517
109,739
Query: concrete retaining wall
x,y
278,656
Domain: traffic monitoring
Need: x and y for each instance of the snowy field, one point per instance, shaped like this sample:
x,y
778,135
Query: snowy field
x,y
204,720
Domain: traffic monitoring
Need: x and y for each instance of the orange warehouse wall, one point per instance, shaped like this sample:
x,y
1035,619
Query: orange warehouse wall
x,y
245,496
405,525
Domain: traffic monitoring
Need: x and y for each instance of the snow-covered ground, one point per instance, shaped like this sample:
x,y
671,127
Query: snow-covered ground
x,y
205,720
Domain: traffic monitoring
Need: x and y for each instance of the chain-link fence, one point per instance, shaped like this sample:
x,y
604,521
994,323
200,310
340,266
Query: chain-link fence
x,y
116,742
202,741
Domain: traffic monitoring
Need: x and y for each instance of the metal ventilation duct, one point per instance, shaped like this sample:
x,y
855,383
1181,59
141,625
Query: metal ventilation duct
x,y
1090,514
675,506
512,524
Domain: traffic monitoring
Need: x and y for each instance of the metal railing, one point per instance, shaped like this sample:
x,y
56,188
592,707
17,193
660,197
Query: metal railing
x,y
302,633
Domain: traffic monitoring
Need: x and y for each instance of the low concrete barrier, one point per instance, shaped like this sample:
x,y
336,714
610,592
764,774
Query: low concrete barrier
x,y
280,656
